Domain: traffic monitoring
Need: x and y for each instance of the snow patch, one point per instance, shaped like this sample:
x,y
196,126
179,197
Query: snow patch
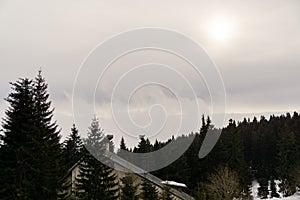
x,y
173,183
254,192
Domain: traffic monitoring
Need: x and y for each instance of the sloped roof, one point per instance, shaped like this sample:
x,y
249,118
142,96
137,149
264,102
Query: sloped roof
x,y
139,171
142,173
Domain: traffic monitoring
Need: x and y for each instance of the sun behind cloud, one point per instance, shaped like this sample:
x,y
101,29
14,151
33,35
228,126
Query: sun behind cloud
x,y
221,29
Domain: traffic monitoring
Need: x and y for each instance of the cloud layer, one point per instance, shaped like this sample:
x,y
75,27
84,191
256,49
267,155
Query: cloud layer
x,y
259,64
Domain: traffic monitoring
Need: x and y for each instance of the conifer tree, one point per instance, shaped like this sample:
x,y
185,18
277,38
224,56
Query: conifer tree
x,y
72,153
123,145
48,141
95,180
287,159
149,191
18,149
128,189
144,145
263,190
273,189
72,148
122,151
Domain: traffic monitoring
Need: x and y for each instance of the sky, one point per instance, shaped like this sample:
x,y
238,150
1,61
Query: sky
x,y
254,44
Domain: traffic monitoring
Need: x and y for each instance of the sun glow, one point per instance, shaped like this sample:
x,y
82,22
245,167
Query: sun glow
x,y
221,29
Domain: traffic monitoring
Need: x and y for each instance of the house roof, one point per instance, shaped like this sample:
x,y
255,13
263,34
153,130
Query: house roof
x,y
142,173
155,180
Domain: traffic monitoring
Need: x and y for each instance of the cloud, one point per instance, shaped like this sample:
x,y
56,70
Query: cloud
x,y
259,64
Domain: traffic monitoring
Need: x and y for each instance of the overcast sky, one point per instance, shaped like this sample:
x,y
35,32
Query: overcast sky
x,y
259,61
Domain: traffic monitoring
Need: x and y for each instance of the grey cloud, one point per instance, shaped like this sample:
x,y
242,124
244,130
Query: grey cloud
x,y
259,65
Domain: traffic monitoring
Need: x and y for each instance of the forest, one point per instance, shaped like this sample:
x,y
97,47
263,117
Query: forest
x,y
264,150
34,160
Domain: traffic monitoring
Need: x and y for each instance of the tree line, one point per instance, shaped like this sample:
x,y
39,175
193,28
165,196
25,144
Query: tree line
x,y
33,161
264,150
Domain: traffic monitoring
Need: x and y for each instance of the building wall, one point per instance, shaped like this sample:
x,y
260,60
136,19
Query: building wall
x,y
120,173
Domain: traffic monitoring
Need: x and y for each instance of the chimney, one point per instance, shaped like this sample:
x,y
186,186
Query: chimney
x,y
108,145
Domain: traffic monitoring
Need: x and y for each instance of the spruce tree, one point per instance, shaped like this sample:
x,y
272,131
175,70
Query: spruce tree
x,y
123,145
47,139
273,189
72,148
50,146
122,151
72,153
263,190
18,151
144,145
128,189
95,179
149,191
287,159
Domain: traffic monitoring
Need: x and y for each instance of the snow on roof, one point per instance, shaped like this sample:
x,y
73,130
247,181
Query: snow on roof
x,y
173,183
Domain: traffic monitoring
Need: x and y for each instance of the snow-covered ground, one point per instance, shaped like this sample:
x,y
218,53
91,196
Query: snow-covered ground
x,y
254,192
294,197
